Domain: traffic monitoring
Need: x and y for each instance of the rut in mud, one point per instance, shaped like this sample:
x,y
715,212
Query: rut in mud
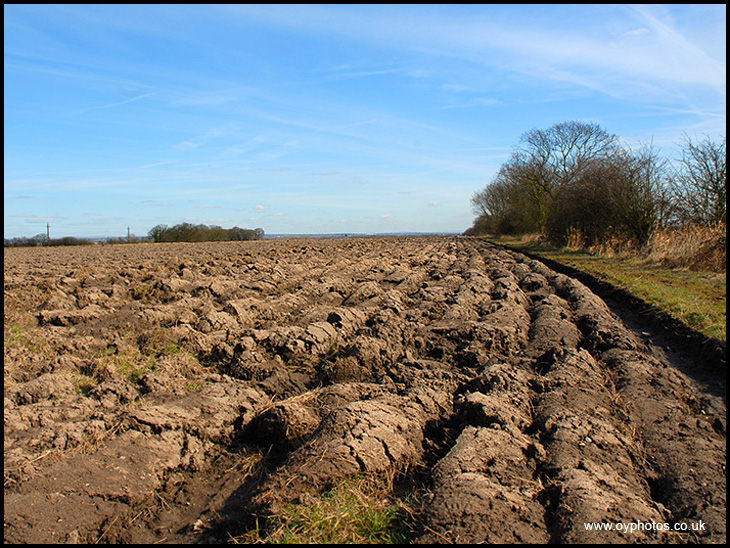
x,y
170,393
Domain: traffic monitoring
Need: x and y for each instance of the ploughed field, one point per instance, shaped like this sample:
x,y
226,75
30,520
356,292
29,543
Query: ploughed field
x,y
184,392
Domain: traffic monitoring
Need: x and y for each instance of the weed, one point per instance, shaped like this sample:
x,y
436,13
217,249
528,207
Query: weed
x,y
15,331
195,386
172,348
84,383
357,511
28,338
125,359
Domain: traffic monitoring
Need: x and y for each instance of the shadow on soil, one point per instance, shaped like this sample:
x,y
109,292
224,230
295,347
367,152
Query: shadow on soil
x,y
700,357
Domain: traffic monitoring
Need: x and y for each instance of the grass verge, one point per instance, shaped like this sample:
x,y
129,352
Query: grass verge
x,y
696,298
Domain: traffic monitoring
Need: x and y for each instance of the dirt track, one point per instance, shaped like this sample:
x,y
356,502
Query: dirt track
x,y
169,392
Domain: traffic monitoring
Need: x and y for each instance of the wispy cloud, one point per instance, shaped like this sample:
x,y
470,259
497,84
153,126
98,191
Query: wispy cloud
x,y
476,102
204,138
32,218
596,47
112,105
157,203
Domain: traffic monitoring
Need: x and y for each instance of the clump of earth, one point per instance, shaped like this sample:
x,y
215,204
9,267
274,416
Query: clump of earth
x,y
175,392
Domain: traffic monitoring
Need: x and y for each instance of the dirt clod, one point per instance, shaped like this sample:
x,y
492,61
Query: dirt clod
x,y
184,393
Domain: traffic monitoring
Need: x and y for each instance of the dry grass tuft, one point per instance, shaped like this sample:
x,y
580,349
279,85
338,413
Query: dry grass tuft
x,y
698,248
694,248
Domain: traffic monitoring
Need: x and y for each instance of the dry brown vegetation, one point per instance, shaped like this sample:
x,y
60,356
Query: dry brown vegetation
x,y
694,247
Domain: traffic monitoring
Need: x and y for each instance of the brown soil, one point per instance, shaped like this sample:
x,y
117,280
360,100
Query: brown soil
x,y
175,392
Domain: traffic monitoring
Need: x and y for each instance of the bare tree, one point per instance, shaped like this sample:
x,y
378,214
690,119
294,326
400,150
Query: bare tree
x,y
492,201
700,188
507,205
559,151
551,158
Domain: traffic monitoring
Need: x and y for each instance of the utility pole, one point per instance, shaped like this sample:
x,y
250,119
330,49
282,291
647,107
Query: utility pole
x,y
48,233
128,236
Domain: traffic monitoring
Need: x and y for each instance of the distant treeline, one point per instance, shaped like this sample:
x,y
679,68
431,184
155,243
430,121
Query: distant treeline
x,y
187,232
183,232
42,239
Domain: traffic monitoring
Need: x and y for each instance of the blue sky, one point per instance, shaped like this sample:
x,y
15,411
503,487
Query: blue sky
x,y
325,118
